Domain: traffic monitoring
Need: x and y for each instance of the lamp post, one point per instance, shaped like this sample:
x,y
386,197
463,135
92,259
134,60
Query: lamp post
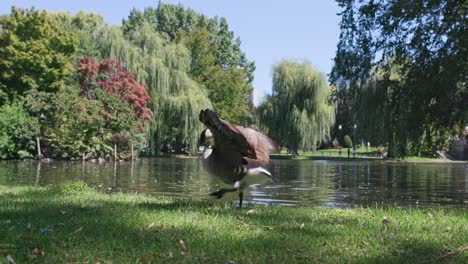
x,y
339,139
339,134
354,134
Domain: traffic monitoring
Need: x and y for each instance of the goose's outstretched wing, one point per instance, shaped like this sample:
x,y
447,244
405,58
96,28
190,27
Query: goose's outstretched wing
x,y
246,141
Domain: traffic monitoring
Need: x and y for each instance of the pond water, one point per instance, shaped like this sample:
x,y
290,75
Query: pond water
x,y
296,182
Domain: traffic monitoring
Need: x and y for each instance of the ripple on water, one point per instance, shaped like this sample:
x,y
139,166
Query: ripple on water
x,y
317,183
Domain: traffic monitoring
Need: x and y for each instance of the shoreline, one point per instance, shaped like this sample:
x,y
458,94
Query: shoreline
x,y
272,157
75,224
337,158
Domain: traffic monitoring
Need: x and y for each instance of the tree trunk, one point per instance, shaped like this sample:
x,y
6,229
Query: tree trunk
x,y
38,144
115,152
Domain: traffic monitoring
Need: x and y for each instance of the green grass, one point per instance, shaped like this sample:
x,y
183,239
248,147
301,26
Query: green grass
x,y
74,224
362,153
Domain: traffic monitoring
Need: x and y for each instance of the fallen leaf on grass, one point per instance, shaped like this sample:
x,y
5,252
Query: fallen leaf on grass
x,y
76,231
150,226
182,244
448,229
148,258
249,212
385,220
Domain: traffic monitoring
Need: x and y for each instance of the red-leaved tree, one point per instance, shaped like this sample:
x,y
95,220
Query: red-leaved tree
x,y
110,76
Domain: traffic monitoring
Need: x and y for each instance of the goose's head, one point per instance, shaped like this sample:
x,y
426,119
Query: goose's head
x,y
205,138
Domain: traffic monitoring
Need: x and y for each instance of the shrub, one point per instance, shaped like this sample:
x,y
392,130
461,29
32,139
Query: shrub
x,y
347,141
17,132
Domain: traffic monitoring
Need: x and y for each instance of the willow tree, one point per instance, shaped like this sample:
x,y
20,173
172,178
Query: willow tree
x,y
376,108
218,61
163,67
297,114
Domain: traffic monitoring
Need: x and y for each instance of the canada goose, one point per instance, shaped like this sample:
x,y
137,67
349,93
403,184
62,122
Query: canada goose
x,y
237,155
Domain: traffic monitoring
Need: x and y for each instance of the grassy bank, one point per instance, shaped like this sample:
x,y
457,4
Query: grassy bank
x,y
362,154
75,224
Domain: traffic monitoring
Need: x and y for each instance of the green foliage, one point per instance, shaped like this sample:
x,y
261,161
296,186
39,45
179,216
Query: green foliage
x,y
217,62
18,131
34,54
70,124
297,114
228,93
83,25
164,68
404,63
347,141
186,60
226,86
171,19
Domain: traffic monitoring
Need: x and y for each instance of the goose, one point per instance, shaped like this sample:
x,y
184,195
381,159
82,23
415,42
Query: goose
x,y
237,156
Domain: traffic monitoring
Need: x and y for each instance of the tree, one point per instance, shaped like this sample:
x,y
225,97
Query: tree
x,y
215,52
426,42
170,19
83,25
226,87
163,66
347,141
110,76
34,53
18,131
72,125
297,114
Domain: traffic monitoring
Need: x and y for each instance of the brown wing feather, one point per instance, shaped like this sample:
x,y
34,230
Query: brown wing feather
x,y
227,137
250,143
262,144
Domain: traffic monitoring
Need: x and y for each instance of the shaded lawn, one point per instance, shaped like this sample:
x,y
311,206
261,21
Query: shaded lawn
x,y
73,223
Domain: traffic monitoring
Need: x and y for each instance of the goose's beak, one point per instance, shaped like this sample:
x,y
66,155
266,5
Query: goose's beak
x,y
201,148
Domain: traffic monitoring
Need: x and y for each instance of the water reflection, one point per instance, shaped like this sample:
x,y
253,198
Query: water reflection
x,y
318,183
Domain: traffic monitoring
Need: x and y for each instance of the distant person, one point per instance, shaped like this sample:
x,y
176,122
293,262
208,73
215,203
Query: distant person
x,y
354,152
380,153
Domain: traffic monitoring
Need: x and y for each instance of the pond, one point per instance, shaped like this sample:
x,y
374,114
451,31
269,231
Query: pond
x,y
296,182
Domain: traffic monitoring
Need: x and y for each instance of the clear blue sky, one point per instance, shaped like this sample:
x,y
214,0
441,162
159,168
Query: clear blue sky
x,y
269,30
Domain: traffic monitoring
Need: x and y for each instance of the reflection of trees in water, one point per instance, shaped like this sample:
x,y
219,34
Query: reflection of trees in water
x,y
401,184
22,172
299,181
305,181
